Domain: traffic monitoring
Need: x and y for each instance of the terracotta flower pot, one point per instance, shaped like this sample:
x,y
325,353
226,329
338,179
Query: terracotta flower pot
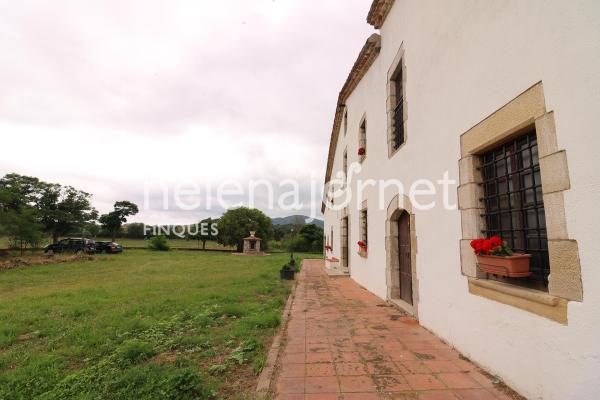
x,y
515,266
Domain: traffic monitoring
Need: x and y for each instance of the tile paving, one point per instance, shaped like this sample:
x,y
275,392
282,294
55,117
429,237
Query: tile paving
x,y
344,343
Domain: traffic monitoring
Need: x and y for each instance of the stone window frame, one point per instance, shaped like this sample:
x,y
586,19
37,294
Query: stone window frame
x,y
362,137
525,111
392,271
399,60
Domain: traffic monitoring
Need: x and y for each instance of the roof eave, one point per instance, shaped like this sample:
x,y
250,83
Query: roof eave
x,y
366,57
378,12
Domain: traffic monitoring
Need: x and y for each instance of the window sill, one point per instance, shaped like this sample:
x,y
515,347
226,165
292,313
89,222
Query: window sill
x,y
531,300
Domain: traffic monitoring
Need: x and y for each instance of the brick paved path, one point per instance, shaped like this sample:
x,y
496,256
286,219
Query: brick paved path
x,y
342,342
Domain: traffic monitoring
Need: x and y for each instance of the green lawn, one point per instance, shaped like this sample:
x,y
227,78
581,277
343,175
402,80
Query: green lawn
x,y
139,325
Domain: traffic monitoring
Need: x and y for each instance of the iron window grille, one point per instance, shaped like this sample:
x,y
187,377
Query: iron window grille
x,y
398,138
514,206
363,226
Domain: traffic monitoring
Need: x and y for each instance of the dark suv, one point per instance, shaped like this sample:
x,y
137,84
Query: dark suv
x,y
72,245
108,247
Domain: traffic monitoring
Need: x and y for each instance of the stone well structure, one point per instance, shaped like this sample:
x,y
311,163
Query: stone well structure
x,y
252,244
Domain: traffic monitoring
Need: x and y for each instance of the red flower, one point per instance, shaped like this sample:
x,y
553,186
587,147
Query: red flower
x,y
487,246
362,151
361,243
481,246
495,241
477,245
493,246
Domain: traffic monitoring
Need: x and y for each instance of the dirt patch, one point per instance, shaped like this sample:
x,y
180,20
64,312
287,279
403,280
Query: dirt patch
x,y
27,336
33,260
165,358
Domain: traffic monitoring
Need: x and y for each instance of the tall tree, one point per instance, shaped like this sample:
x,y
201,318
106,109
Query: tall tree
x,y
236,224
19,196
114,220
64,209
135,230
20,191
205,231
313,235
22,227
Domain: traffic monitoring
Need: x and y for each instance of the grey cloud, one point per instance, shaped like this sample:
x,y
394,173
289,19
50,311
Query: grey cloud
x,y
159,68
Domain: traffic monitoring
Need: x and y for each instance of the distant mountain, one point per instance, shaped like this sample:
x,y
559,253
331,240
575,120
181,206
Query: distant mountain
x,y
297,220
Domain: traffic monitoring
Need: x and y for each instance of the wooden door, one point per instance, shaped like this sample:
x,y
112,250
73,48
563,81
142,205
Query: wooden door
x,y
405,258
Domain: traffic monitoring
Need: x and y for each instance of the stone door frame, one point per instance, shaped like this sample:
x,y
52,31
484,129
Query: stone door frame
x,y
396,207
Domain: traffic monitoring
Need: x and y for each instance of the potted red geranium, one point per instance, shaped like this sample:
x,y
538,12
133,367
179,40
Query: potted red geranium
x,y
328,248
362,151
494,256
362,247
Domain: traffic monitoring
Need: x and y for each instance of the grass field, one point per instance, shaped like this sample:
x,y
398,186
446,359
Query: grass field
x,y
174,243
139,325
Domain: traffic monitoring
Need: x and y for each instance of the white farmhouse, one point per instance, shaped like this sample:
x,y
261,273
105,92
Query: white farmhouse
x,y
465,119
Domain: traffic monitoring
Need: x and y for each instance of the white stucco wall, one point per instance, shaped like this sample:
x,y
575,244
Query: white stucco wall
x,y
464,60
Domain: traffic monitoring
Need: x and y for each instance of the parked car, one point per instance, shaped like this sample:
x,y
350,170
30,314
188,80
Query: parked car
x,y
72,245
108,247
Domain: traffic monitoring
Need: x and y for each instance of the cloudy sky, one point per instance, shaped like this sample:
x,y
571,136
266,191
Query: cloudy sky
x,y
126,98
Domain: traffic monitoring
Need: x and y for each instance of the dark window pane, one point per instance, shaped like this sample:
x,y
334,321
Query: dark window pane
x,y
532,218
529,197
542,218
502,186
501,167
504,202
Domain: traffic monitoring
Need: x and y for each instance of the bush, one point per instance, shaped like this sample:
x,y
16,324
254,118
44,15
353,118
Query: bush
x,y
158,243
297,244
274,245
